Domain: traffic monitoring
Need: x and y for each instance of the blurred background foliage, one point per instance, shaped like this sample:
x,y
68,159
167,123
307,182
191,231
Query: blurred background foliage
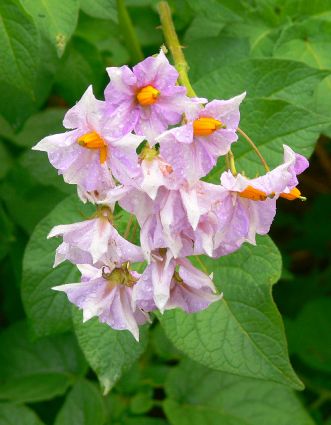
x,y
279,51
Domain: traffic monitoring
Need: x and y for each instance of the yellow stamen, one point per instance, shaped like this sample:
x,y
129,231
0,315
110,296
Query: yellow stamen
x,y
255,194
148,153
292,195
205,126
147,95
94,141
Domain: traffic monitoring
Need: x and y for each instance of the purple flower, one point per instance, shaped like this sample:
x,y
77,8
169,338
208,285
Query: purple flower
x,y
155,173
193,148
246,207
146,99
89,154
107,293
93,241
168,283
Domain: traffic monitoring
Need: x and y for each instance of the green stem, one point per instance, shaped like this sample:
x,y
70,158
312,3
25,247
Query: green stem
x,y
230,157
172,43
255,148
182,67
129,33
202,264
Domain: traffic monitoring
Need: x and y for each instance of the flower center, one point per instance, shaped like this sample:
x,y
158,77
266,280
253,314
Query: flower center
x,y
148,153
205,126
177,278
120,276
94,141
292,195
147,95
255,194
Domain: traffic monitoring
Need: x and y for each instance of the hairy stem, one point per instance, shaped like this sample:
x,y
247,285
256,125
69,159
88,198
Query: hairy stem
x,y
129,33
182,67
173,44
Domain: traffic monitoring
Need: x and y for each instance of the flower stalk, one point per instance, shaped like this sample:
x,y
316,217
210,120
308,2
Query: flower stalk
x,y
173,44
182,67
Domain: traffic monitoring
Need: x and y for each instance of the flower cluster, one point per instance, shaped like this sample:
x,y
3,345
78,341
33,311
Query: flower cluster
x,y
146,148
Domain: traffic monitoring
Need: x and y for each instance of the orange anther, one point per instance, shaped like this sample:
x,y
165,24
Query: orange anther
x,y
205,126
147,95
94,141
255,194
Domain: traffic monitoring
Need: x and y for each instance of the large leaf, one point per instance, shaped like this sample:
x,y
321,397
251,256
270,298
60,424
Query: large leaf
x,y
82,65
273,78
40,370
38,126
16,414
103,9
23,192
221,51
109,352
197,395
19,40
56,21
277,110
310,42
242,334
84,405
48,310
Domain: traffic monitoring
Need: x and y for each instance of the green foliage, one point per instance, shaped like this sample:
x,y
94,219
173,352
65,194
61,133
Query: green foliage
x,y
56,23
81,66
197,395
19,38
279,53
15,413
242,334
39,370
83,406
48,311
108,352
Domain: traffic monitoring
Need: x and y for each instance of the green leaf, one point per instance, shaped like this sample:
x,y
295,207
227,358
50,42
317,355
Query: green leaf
x,y
38,126
108,351
220,51
310,337
289,80
197,395
19,38
7,236
202,27
272,123
39,370
277,110
142,402
16,414
310,42
84,405
226,11
26,200
6,160
56,21
102,9
104,35
242,334
48,310
44,175
82,65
